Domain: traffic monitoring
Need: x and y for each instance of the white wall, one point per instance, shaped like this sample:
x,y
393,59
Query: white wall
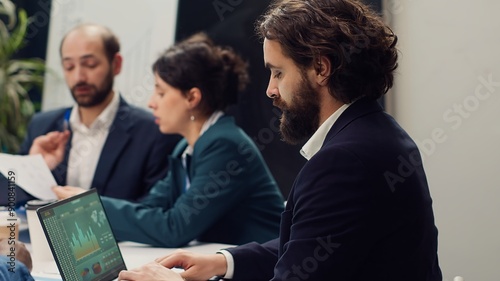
x,y
144,28
449,48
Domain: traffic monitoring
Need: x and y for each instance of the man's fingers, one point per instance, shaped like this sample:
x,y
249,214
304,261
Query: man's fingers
x,y
65,135
169,257
63,192
52,140
61,144
59,138
177,260
45,142
128,275
59,192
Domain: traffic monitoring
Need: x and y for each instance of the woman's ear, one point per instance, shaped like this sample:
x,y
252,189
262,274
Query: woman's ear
x,y
323,67
193,97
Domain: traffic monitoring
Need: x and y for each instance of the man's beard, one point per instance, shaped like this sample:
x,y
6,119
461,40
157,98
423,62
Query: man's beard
x,y
300,119
98,95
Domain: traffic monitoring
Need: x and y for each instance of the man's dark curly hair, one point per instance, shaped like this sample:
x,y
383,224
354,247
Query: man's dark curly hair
x,y
361,48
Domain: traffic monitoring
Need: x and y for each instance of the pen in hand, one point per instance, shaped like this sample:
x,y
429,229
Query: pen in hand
x,y
67,114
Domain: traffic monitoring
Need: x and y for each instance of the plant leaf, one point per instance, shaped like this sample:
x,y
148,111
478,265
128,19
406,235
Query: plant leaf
x,y
17,36
9,9
16,77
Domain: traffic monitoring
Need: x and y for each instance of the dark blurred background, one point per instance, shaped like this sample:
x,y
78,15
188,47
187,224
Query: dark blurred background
x,y
232,23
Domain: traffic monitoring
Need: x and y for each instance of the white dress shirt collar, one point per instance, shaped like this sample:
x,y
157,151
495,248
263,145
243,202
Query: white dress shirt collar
x,y
102,122
313,145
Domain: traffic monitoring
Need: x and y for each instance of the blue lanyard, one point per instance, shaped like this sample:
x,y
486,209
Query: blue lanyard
x,y
67,114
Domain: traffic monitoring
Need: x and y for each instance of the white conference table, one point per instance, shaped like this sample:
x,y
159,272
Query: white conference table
x,y
134,254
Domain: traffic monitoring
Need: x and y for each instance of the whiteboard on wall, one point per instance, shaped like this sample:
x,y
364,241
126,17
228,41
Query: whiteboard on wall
x,y
144,28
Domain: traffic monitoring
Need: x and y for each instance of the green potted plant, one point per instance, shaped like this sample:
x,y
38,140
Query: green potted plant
x,y
17,77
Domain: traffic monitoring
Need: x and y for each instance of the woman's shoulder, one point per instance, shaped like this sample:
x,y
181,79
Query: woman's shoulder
x,y
225,128
224,131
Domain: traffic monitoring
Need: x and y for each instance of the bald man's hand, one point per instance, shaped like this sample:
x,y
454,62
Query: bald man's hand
x,y
51,146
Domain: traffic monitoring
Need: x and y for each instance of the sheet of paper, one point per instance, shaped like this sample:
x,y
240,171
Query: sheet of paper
x,y
31,173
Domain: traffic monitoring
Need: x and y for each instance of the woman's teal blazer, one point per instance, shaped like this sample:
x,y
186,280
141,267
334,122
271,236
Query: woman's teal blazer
x,y
232,198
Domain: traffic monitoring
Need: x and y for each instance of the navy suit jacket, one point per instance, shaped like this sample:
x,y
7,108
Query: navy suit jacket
x,y
360,209
133,159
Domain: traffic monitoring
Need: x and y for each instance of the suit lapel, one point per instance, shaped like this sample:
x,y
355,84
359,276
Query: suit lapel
x,y
61,171
180,174
116,142
356,110
178,177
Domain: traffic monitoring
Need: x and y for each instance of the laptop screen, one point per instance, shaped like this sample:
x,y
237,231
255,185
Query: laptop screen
x,y
81,238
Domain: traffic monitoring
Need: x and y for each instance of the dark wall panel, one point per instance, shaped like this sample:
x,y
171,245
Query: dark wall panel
x,y
36,36
232,22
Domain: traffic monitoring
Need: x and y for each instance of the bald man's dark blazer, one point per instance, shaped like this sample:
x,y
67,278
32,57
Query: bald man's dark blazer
x,y
133,159
359,210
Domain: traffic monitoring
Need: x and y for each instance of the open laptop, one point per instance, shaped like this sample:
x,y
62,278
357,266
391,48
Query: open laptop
x,y
81,239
